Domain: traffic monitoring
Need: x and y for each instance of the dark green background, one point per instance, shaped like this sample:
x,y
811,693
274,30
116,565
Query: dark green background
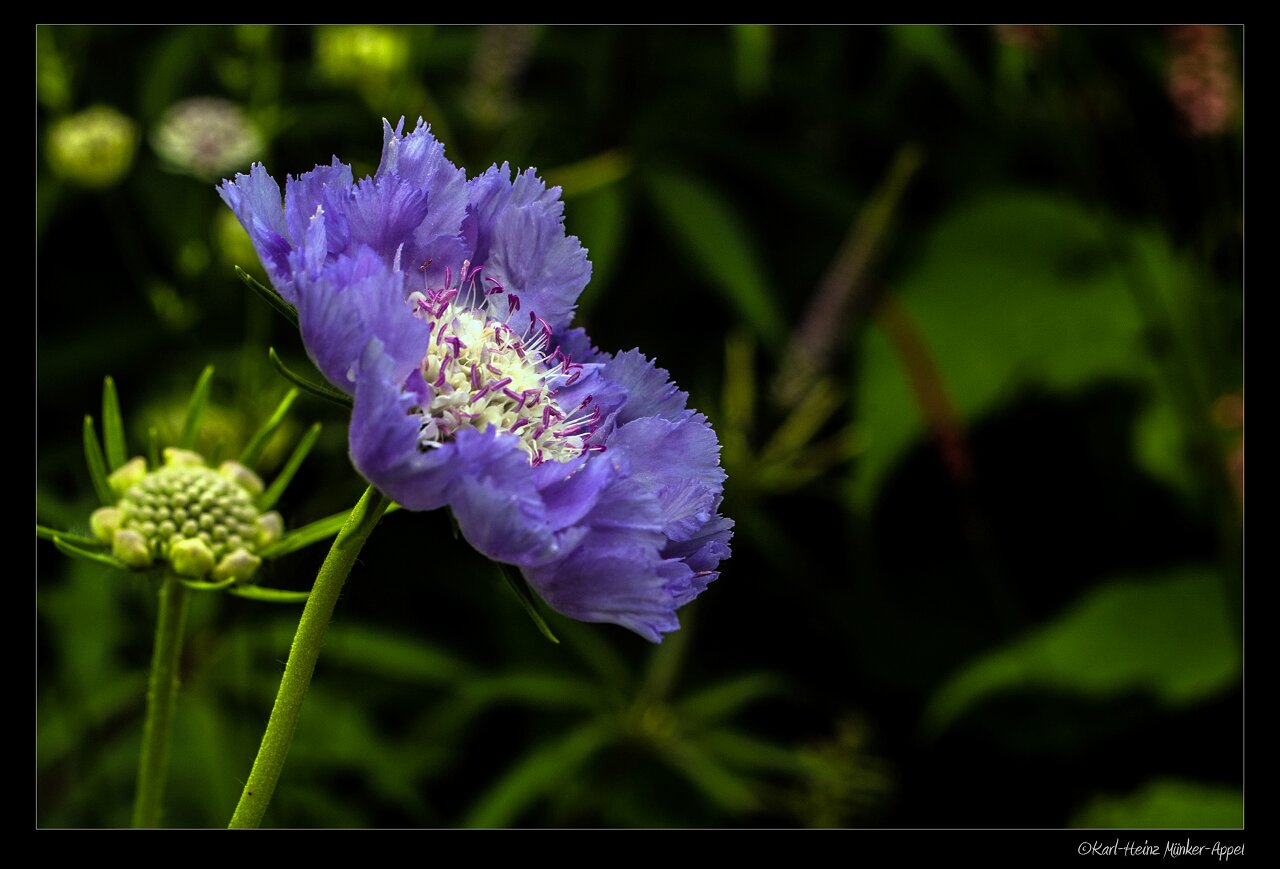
x,y
987,568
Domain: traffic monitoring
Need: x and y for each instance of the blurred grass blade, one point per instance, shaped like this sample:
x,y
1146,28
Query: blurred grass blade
x,y
752,46
44,532
740,382
539,773
590,174
594,649
253,450
805,421
370,649
843,294
321,529
721,786
270,296
112,426
86,554
539,690
666,660
314,532
319,390
727,698
713,236
268,499
153,448
270,595
96,462
524,594
196,408
747,752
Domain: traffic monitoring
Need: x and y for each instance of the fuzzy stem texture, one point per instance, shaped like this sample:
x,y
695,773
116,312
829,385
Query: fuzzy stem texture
x,y
162,693
302,658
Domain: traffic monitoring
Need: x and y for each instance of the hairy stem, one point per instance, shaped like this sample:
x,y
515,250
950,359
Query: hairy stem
x,y
302,658
162,693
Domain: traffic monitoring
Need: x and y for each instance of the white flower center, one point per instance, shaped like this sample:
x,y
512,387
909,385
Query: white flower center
x,y
481,372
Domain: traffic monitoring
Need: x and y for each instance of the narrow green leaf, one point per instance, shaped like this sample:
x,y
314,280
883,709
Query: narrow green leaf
x,y
314,532
540,690
721,786
268,499
372,649
593,173
44,532
153,448
746,752
524,594
805,421
320,390
270,296
539,773
96,462
195,409
594,649
752,47
300,538
934,47
253,450
86,554
270,595
713,236
113,426
725,699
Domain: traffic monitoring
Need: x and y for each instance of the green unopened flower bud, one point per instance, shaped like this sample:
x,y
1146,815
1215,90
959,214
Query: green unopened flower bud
x,y
242,477
361,55
240,564
131,548
177,458
191,557
270,528
125,477
105,521
93,148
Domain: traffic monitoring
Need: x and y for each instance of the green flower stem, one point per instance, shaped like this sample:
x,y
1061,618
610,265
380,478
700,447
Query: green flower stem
x,y
302,658
162,691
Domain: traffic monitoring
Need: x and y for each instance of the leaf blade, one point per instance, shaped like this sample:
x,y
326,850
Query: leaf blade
x,y
117,451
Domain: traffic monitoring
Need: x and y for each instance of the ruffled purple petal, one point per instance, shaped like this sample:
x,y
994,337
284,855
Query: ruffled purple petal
x,y
704,551
497,508
383,437
255,200
418,158
324,189
349,302
516,230
608,582
384,213
649,390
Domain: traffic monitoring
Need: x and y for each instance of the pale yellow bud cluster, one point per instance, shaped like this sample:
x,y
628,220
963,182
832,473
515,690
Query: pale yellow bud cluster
x,y
202,521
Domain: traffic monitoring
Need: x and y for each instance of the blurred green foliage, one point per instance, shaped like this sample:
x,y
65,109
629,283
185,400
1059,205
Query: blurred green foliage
x,y
988,561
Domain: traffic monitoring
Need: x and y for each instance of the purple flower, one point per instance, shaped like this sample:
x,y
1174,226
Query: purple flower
x,y
442,305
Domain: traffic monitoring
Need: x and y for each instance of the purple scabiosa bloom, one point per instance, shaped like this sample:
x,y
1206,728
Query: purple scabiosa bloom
x,y
442,305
